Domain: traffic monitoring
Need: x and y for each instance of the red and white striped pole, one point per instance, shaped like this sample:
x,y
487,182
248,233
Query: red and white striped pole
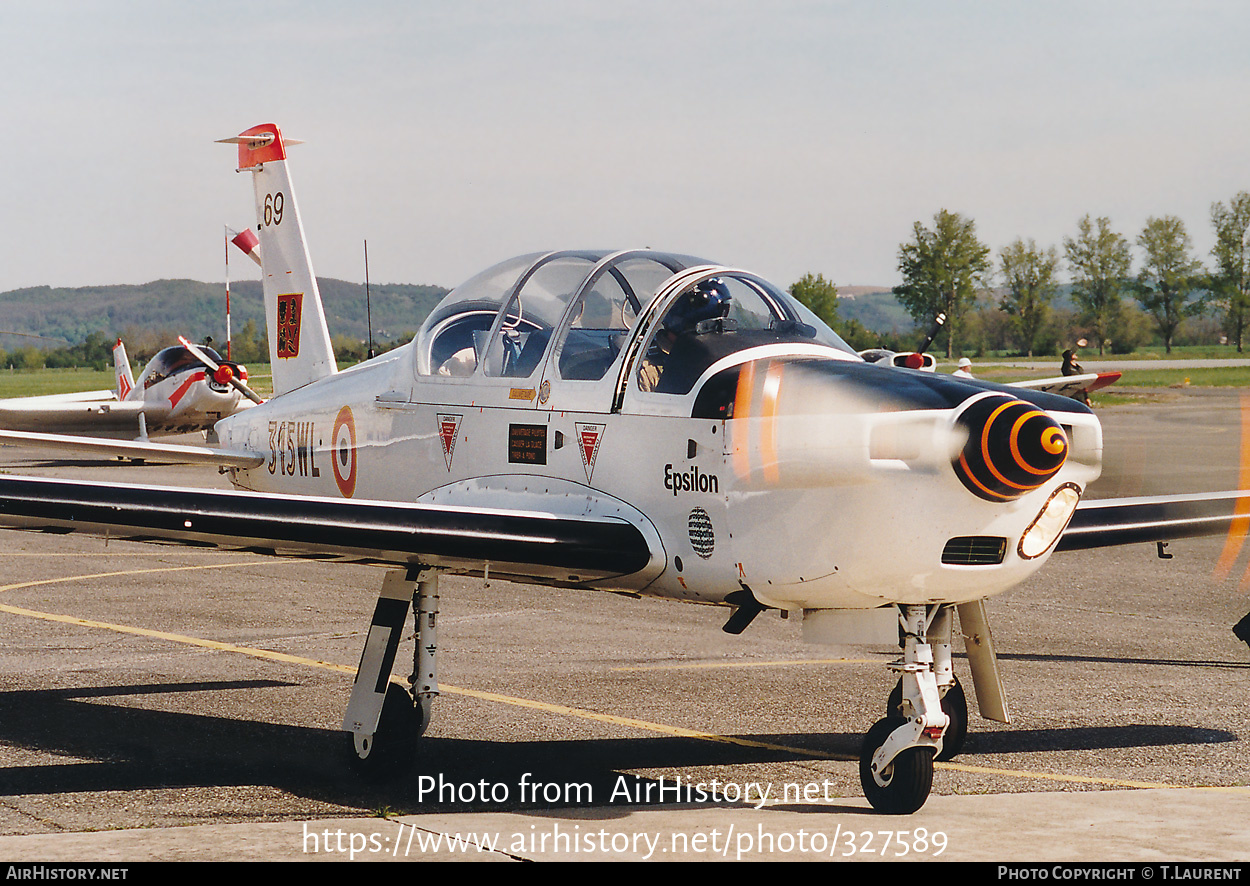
x,y
225,242
249,243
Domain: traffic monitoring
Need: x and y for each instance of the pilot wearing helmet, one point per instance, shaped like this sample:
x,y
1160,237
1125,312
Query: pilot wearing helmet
x,y
708,300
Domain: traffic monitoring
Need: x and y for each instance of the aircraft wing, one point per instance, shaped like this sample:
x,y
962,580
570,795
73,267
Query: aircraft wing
x,y
93,411
161,453
96,397
559,548
1103,523
1070,385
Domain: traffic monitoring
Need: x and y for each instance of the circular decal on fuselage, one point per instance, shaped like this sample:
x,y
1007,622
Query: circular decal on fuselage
x,y
702,537
344,455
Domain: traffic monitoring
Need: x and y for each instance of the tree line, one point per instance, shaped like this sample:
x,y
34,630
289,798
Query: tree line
x,y
1006,302
249,344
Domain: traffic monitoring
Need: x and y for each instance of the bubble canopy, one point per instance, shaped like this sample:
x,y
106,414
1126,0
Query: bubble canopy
x,y
574,312
172,360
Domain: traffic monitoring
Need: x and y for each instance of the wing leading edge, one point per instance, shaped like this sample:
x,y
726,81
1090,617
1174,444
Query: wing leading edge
x,y
1120,521
555,548
164,453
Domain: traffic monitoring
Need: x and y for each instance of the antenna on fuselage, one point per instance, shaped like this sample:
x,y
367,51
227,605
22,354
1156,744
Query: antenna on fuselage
x,y
368,312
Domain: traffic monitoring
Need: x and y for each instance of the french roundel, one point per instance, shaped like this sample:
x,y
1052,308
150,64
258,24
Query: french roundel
x,y
344,454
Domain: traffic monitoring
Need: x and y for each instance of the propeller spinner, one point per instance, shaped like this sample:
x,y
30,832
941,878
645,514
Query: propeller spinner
x,y
221,374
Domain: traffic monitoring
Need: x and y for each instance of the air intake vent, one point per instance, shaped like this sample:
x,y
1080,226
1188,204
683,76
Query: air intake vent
x,y
974,550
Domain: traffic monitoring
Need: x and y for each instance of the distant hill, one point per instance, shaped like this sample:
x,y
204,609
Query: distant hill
x,y
195,309
874,306
198,309
879,309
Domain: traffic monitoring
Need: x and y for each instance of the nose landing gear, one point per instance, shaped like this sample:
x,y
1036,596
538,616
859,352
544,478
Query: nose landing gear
x,y
896,760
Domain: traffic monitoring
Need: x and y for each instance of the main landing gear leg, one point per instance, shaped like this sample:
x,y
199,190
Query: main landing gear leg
x,y
382,717
424,679
896,760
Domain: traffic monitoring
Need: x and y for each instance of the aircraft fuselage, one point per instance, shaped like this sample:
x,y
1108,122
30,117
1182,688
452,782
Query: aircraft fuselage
x,y
808,511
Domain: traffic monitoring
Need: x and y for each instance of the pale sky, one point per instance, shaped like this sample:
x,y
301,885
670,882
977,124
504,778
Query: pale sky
x,y
785,137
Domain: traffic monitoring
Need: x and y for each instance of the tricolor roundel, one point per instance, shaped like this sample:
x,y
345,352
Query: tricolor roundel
x,y
344,453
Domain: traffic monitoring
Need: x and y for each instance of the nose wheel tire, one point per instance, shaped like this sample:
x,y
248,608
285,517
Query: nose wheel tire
x,y
391,750
904,785
954,705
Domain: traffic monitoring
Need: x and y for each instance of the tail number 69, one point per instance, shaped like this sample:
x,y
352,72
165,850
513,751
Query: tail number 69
x,y
273,208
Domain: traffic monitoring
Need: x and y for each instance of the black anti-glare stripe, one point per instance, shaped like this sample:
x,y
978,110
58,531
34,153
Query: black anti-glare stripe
x,y
576,545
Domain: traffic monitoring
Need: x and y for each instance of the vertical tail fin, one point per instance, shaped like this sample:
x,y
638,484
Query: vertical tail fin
x,y
121,367
299,341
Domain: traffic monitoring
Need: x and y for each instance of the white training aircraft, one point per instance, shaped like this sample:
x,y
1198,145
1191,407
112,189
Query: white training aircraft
x,y
647,422
182,389
1078,387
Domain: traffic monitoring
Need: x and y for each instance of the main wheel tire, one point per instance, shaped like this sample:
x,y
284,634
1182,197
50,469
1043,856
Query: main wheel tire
x,y
904,785
954,705
391,750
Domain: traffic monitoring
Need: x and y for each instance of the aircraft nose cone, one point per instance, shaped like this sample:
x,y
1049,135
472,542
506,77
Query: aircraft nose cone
x,y
1013,448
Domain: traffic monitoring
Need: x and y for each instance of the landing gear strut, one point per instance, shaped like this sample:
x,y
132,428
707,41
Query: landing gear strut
x,y
385,719
896,760
954,705
951,691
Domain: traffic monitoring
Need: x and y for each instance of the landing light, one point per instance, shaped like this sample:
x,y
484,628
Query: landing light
x,y
1050,522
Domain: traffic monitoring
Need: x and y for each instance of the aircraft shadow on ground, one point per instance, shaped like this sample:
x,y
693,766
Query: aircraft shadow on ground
x,y
121,748
1092,738
1105,659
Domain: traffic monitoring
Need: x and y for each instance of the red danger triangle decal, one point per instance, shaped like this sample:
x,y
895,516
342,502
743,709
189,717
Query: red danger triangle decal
x,y
588,439
448,431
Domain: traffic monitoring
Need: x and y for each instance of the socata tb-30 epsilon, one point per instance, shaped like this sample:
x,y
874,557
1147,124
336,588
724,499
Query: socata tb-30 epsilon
x,y
636,421
183,389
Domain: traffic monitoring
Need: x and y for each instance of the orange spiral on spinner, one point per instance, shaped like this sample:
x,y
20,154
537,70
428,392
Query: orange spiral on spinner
x,y
1013,448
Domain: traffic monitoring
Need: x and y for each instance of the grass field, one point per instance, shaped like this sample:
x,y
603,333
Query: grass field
x,y
1152,352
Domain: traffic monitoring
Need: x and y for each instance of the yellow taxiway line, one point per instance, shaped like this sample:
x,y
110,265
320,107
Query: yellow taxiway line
x,y
698,665
564,710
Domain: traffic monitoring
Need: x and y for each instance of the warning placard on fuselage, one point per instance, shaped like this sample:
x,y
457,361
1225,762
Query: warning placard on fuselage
x,y
527,444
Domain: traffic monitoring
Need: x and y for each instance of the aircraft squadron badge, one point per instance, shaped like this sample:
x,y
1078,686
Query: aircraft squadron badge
x,y
289,315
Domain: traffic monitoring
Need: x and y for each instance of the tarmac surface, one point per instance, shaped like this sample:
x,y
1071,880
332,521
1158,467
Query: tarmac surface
x,y
165,703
